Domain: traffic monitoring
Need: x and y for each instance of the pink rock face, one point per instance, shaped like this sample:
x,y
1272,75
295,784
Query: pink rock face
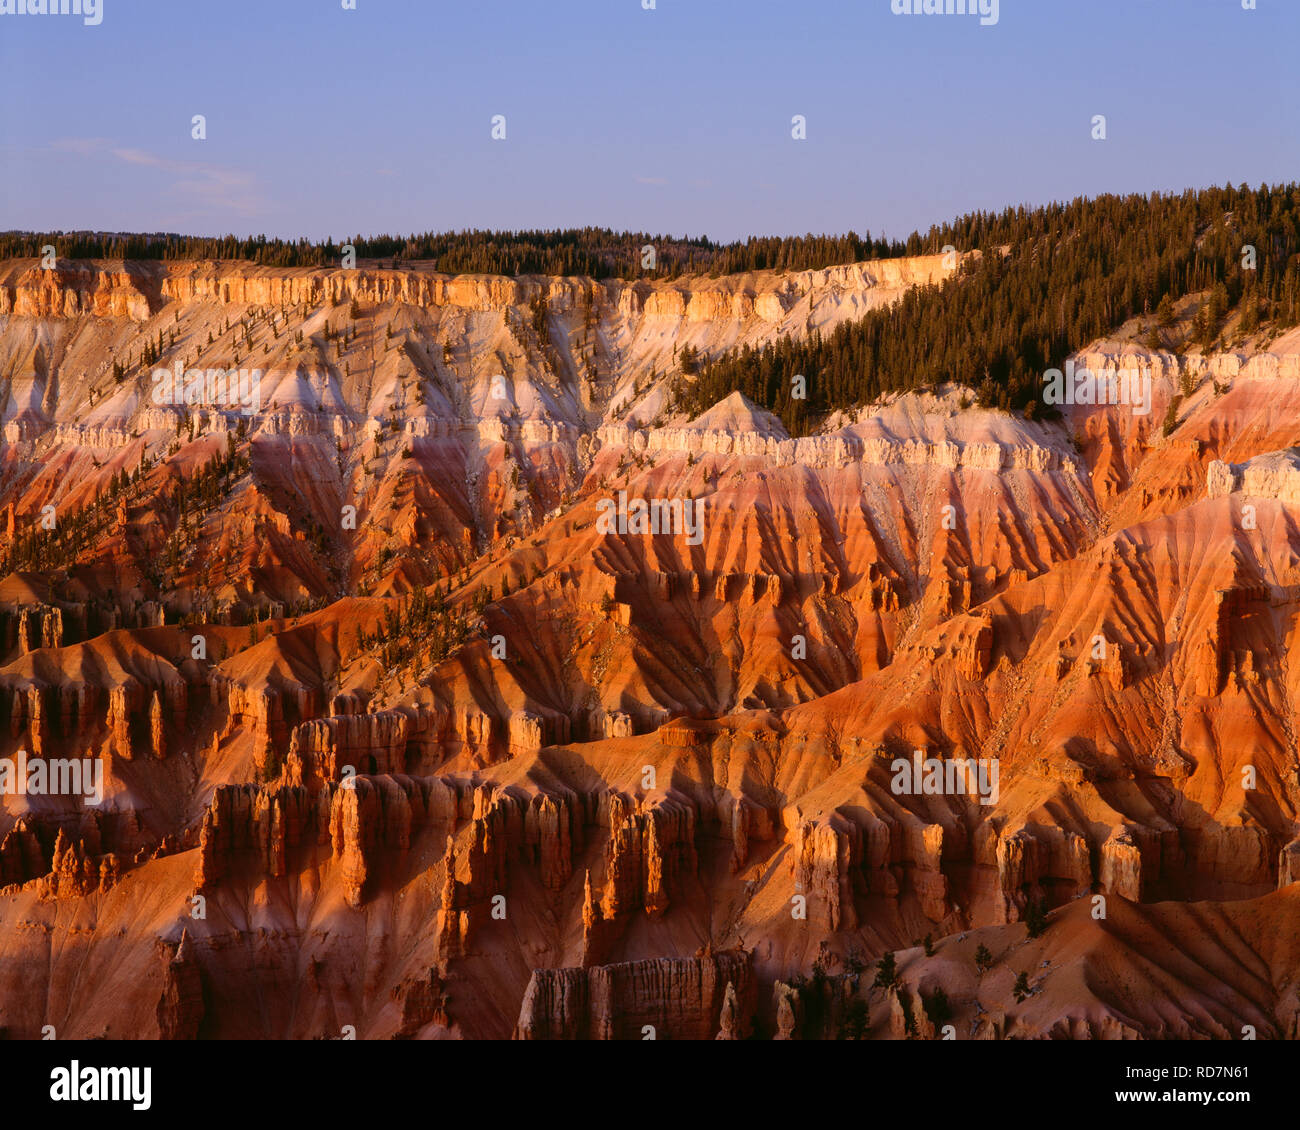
x,y
385,711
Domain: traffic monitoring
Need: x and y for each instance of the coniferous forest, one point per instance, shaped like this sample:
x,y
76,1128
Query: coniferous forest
x,y
1048,281
591,252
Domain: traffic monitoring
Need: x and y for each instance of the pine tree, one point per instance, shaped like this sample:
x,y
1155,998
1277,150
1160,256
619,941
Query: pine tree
x,y
937,1008
887,974
1036,917
1021,988
855,1022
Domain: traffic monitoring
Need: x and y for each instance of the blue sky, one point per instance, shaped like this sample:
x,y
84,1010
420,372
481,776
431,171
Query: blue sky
x,y
326,122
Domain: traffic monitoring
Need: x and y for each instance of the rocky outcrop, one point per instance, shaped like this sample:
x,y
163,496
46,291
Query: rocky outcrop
x,y
181,1007
820,865
1288,867
62,858
788,1011
74,288
682,999
1121,865
651,848
247,827
424,1001
838,451
26,627
76,870
21,856
157,728
1275,475
733,1024
1041,864
368,743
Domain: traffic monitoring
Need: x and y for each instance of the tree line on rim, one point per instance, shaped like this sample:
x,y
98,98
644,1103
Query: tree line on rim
x,y
591,252
1048,282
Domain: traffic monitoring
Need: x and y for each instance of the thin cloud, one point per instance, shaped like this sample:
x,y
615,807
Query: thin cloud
x,y
212,188
83,146
212,184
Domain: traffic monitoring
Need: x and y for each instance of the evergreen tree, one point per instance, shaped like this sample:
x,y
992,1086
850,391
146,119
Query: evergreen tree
x,y
1036,917
887,977
937,1008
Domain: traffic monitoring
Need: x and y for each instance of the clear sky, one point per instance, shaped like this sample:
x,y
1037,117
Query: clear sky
x,y
328,122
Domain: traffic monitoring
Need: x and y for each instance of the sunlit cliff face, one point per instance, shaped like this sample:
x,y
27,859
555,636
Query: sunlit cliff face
x,y
459,679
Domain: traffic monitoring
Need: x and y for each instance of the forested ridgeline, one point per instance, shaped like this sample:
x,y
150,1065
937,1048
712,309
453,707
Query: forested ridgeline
x,y
592,252
1050,280
1072,273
